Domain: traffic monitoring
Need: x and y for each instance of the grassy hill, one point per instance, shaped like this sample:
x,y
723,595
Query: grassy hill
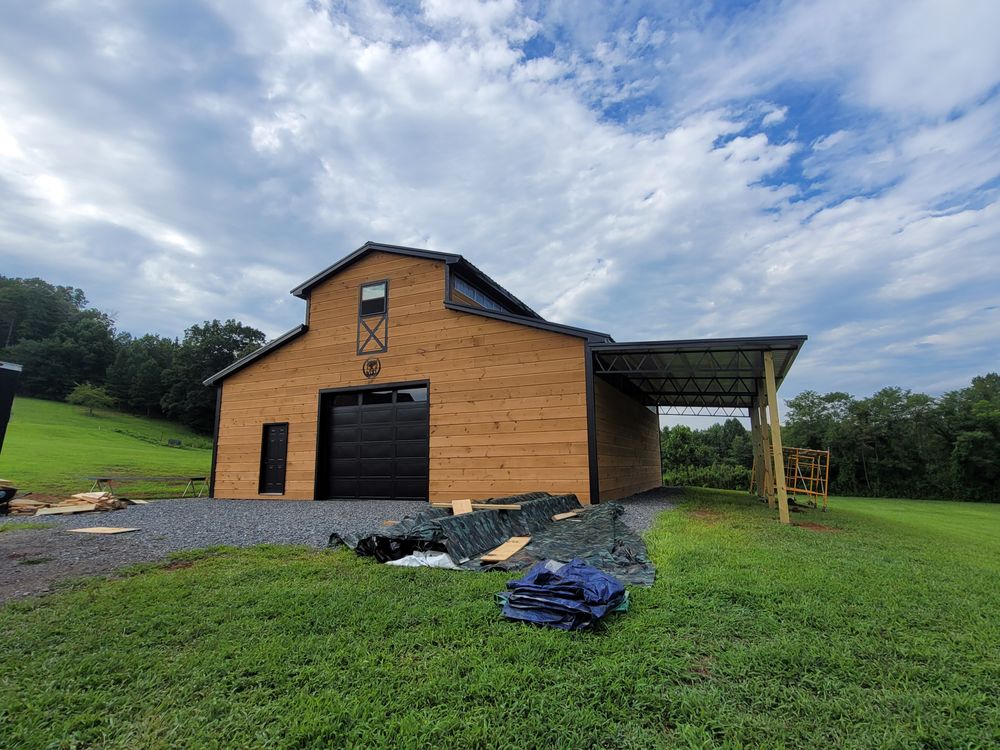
x,y
874,628
51,448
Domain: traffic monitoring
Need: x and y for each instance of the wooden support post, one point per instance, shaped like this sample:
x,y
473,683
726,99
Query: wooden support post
x,y
779,461
758,458
767,473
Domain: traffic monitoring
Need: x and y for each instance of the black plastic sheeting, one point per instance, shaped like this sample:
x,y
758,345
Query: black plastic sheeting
x,y
570,596
597,536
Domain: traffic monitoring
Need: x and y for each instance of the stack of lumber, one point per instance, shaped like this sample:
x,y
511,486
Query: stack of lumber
x,y
82,502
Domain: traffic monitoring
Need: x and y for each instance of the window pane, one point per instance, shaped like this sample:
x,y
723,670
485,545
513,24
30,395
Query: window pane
x,y
345,399
373,299
376,397
373,291
408,395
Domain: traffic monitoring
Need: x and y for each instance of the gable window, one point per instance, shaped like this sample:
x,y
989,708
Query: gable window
x,y
373,298
474,295
373,318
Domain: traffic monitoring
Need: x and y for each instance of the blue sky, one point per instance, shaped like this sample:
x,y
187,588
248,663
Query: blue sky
x,y
655,170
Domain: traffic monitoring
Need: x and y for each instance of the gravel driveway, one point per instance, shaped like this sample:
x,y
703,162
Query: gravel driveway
x,y
33,560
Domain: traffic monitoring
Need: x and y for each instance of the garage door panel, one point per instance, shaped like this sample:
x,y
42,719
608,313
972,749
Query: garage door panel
x,y
377,433
383,449
415,431
348,415
411,412
411,448
411,489
411,467
375,488
378,449
377,414
343,450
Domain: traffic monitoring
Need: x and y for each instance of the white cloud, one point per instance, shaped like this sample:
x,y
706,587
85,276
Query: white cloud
x,y
657,174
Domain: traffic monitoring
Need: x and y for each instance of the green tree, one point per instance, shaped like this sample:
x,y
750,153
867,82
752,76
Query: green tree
x,y
136,377
80,350
205,350
90,397
33,309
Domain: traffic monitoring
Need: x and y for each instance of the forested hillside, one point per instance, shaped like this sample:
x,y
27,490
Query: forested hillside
x,y
63,343
894,443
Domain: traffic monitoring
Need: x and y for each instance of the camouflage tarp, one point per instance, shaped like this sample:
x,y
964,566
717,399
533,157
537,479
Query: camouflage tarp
x,y
597,536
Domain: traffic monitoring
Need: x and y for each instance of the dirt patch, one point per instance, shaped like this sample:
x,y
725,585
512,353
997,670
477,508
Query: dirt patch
x,y
177,565
708,516
816,526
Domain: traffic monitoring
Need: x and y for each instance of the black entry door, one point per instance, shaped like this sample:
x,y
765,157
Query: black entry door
x,y
375,444
273,455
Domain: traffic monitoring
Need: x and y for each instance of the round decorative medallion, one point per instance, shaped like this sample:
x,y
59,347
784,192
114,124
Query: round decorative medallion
x,y
371,367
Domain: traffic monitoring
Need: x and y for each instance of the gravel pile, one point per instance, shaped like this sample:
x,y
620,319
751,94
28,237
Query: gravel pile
x,y
34,560
641,509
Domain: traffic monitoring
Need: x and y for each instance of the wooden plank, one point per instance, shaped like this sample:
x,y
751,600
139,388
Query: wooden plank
x,y
477,506
505,550
64,509
103,530
779,460
563,516
91,496
458,507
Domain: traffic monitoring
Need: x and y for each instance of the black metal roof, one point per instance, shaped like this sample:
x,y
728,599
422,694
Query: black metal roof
x,y
464,267
268,347
544,325
695,376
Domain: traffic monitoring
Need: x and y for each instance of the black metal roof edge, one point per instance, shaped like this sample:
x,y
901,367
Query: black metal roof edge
x,y
757,342
531,322
467,266
369,246
268,347
416,252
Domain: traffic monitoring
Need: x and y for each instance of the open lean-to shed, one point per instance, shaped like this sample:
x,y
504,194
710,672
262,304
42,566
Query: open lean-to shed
x,y
416,376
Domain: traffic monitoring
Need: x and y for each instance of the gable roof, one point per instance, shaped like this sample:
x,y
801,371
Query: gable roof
x,y
524,315
453,260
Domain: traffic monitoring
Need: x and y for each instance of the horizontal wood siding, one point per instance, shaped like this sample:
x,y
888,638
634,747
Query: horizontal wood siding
x,y
507,402
628,443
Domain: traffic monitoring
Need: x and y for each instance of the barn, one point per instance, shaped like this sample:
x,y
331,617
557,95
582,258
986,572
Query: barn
x,y
416,376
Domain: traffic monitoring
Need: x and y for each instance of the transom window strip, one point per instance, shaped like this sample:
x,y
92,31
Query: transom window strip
x,y
465,288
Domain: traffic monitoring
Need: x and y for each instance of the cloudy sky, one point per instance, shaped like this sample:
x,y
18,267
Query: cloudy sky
x,y
654,170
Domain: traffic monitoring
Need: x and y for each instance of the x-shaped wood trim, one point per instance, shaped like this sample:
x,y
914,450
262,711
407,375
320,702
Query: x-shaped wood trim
x,y
373,335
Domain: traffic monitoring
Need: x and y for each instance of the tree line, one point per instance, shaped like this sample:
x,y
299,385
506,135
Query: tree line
x,y
66,345
895,443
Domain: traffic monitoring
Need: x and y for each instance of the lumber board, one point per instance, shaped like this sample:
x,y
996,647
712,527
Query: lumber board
x,y
563,516
102,530
458,507
59,510
505,550
479,506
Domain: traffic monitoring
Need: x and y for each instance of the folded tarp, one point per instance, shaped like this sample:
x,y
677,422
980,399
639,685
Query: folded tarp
x,y
463,536
570,596
596,535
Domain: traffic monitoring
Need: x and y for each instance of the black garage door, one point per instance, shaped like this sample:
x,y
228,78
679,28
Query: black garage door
x,y
374,444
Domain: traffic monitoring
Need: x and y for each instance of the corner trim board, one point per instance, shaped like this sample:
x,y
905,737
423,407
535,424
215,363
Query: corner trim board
x,y
215,440
593,469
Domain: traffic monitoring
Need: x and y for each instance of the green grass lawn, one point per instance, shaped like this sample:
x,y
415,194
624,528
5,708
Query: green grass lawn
x,y
52,447
882,633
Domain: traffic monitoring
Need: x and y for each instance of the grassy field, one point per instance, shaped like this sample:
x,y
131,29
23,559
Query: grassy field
x,y
882,632
52,447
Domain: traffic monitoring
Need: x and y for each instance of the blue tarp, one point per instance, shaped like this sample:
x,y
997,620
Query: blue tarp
x,y
571,596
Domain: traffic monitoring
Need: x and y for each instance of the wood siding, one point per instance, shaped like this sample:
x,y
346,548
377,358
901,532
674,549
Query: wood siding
x,y
628,444
507,402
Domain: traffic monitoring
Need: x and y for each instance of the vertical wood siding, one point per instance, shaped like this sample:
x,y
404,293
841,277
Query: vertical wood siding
x,y
628,444
507,402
